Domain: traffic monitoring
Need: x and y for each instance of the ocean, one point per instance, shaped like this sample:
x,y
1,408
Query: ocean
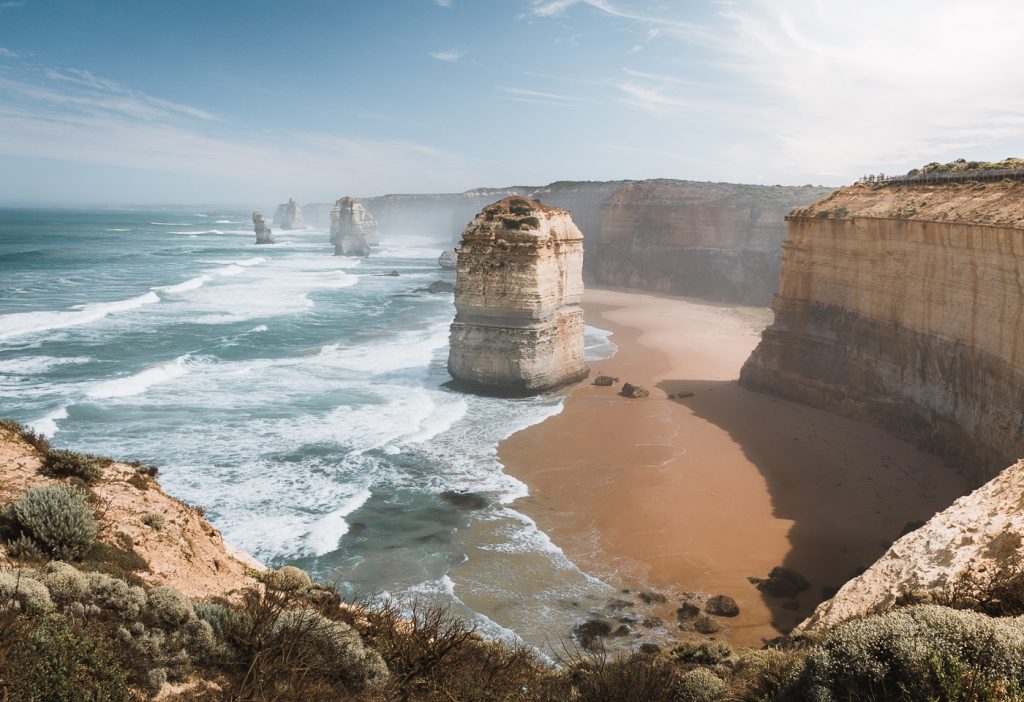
x,y
296,396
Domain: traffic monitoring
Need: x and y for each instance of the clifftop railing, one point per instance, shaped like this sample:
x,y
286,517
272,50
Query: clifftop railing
x,y
948,176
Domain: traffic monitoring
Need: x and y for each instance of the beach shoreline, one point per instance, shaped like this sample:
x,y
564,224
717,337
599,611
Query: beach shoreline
x,y
692,494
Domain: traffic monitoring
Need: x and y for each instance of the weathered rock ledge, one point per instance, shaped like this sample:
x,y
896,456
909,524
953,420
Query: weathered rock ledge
x,y
518,327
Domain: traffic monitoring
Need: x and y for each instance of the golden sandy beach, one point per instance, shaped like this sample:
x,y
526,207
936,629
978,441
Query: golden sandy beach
x,y
698,493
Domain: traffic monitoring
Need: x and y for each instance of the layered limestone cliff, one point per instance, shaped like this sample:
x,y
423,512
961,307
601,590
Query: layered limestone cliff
x,y
263,233
980,532
353,229
904,306
717,241
518,326
289,216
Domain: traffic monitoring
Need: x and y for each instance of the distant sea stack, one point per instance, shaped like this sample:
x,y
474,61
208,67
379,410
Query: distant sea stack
x,y
902,304
352,228
263,233
448,260
289,216
518,327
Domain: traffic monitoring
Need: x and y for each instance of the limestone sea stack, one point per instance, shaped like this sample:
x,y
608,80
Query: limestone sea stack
x,y
448,260
518,326
352,228
263,233
289,216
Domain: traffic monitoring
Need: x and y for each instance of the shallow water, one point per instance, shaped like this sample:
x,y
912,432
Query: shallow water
x,y
297,396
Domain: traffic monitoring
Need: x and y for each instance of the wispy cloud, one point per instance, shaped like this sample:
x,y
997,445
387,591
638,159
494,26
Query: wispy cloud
x,y
73,115
549,8
443,3
7,53
10,5
546,98
449,56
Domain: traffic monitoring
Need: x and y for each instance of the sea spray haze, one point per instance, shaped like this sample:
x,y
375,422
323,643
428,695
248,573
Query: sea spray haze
x,y
295,395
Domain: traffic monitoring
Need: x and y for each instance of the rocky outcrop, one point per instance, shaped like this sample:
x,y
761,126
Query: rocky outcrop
x,y
182,551
979,532
518,326
449,260
352,228
903,305
289,216
263,233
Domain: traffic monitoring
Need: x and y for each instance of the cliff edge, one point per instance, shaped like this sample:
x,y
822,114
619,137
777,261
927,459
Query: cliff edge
x,y
902,305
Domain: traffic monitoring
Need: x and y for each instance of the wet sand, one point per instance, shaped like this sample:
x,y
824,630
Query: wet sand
x,y
695,494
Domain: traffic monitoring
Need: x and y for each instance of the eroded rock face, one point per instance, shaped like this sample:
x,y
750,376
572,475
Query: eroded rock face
x,y
352,228
263,233
289,216
978,531
518,327
904,306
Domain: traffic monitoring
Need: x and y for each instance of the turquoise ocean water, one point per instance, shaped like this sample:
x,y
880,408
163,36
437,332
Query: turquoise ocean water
x,y
297,396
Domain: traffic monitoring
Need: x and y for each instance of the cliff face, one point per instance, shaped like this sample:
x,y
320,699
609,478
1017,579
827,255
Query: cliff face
x,y
289,216
980,531
717,241
352,228
518,326
263,233
904,306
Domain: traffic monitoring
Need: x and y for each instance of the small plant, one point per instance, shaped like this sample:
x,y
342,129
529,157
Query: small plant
x,y
58,519
154,520
62,463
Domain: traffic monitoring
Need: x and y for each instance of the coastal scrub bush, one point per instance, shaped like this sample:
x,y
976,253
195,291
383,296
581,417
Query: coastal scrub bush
x,y
37,440
996,590
700,685
58,519
154,520
20,592
635,678
916,653
59,661
62,463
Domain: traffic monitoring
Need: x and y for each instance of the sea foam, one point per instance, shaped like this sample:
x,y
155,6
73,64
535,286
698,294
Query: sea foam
x,y
21,323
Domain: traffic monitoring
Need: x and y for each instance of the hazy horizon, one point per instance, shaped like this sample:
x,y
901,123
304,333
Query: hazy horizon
x,y
127,104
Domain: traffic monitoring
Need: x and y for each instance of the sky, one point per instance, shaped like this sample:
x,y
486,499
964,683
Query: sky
x,y
211,101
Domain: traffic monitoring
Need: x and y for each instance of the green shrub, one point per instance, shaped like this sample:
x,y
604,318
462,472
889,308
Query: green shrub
x,y
154,520
907,654
636,677
62,463
19,590
700,685
58,662
58,519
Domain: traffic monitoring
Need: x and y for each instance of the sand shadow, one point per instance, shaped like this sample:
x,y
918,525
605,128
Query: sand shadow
x,y
848,488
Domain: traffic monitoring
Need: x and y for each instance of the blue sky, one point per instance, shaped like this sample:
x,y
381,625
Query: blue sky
x,y
252,102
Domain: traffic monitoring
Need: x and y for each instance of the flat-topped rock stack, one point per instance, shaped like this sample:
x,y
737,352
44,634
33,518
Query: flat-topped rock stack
x,y
263,233
289,216
353,228
518,327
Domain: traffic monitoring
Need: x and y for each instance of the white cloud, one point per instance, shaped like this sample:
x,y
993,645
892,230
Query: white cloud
x,y
443,3
75,116
449,56
7,53
4,6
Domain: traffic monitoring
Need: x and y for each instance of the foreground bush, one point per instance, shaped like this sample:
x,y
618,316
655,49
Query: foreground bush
x,y
62,463
917,653
37,440
57,519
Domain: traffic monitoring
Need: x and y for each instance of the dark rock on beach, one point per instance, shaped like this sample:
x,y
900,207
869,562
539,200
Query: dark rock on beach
x,y
722,606
605,381
589,633
782,583
464,500
634,391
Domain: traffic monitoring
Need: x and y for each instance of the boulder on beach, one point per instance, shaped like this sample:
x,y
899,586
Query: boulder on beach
x,y
605,381
722,606
589,633
634,391
705,625
781,582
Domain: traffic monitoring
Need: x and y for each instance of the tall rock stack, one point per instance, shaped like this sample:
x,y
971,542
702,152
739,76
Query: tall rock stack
x,y
352,228
903,305
518,327
289,216
263,233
